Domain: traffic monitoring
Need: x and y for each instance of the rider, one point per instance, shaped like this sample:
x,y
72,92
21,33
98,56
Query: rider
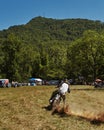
x,y
63,87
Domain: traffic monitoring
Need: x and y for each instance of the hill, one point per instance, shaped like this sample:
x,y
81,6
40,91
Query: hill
x,y
48,29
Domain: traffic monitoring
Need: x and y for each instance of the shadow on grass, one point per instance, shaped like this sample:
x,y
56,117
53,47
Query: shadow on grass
x,y
48,108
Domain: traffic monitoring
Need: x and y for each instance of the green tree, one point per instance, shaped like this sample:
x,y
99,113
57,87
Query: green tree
x,y
57,60
87,56
11,49
29,62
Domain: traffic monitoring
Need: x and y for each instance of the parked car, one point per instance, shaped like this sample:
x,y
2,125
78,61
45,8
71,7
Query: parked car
x,y
98,83
4,83
53,82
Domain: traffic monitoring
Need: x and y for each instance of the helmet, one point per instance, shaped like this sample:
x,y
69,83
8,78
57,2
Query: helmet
x,y
66,80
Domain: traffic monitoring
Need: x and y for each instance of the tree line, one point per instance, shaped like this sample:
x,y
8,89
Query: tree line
x,y
54,55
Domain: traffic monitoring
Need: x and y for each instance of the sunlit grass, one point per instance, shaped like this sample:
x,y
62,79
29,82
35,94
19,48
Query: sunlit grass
x,y
23,108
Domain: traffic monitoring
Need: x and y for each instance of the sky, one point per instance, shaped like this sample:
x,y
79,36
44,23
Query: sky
x,y
18,12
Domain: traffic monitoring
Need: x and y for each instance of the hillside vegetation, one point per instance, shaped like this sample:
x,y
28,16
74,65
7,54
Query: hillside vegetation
x,y
41,29
53,49
24,108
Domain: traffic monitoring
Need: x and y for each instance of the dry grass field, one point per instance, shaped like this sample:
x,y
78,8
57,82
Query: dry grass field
x,y
24,108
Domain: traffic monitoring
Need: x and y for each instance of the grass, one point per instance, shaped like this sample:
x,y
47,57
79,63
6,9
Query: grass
x,y
23,108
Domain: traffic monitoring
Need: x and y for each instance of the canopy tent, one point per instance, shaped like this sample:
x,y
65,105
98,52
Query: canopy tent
x,y
38,81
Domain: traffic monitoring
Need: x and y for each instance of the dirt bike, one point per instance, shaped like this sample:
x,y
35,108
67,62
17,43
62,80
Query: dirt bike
x,y
55,102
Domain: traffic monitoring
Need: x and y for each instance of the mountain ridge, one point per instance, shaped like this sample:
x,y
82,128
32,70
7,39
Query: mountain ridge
x,y
40,28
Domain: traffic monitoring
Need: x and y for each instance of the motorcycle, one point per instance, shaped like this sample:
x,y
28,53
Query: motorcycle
x,y
55,101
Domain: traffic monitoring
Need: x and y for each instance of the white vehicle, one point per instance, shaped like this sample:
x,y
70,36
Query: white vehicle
x,y
4,83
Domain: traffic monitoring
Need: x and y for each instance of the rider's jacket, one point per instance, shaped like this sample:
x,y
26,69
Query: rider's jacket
x,y
63,88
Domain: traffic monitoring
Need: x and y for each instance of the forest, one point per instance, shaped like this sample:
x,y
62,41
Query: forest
x,y
53,49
